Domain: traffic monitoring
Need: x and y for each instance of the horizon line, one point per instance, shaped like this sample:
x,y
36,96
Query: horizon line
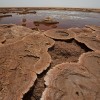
x,y
47,7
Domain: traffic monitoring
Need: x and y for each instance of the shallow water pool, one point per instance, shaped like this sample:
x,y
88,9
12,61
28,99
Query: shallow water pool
x,y
66,19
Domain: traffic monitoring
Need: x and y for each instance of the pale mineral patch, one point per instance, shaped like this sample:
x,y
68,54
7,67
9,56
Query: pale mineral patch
x,y
59,34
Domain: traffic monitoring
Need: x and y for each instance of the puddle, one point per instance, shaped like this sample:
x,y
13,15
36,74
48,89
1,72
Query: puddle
x,y
66,19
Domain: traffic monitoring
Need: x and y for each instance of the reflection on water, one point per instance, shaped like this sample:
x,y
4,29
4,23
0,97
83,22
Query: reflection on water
x,y
66,19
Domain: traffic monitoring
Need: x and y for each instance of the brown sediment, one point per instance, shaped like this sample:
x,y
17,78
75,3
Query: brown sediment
x,y
24,20
40,43
74,81
46,21
43,63
91,40
1,16
35,28
93,27
14,33
74,30
24,62
6,25
2,39
62,51
80,83
27,12
37,89
79,30
23,23
66,51
18,64
59,34
97,33
91,62
16,74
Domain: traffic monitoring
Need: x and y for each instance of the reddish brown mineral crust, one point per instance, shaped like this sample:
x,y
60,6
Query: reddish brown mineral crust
x,y
2,39
74,81
14,33
75,30
17,65
39,42
78,31
43,63
60,34
16,76
70,81
27,54
94,28
97,34
91,62
6,25
91,40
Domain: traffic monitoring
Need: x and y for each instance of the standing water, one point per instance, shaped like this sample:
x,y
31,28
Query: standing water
x,y
66,19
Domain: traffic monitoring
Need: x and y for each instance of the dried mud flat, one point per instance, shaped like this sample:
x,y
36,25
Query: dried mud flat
x,y
57,64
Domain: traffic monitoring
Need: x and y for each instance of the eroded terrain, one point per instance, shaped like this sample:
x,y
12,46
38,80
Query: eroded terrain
x,y
56,64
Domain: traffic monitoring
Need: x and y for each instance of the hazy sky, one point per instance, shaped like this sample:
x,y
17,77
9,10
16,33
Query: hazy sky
x,y
50,3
